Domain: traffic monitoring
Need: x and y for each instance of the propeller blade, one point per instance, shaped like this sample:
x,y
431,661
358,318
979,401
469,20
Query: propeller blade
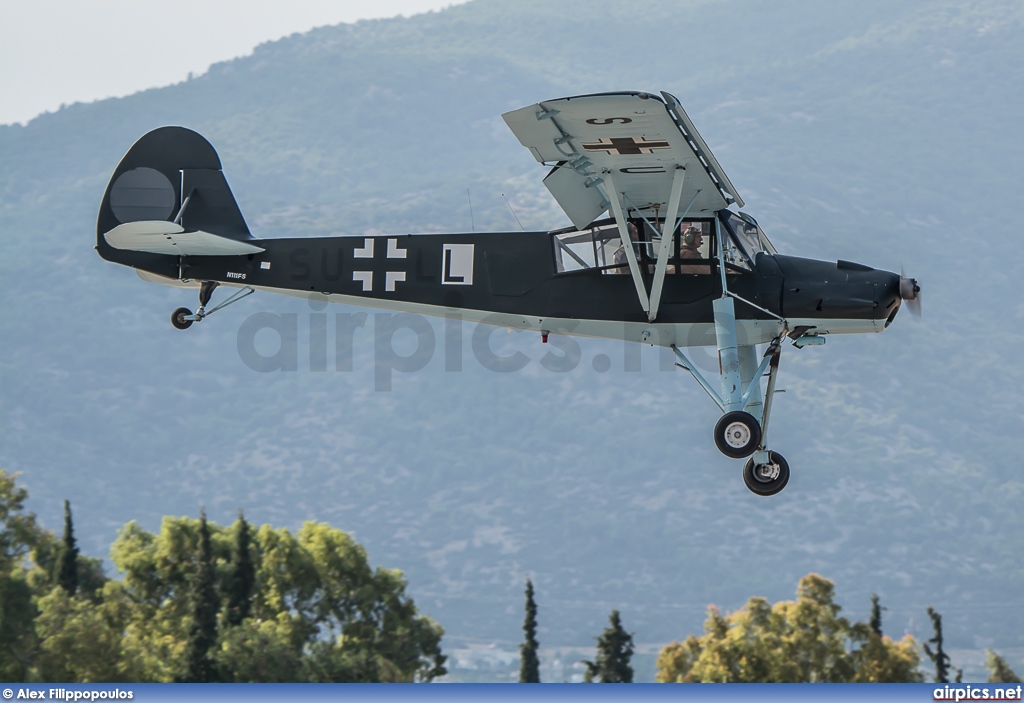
x,y
910,291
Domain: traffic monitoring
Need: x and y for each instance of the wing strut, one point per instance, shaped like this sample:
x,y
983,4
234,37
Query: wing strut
x,y
667,237
614,197
651,302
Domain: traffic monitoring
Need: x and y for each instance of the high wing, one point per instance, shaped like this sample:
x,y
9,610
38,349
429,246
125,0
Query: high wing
x,y
638,138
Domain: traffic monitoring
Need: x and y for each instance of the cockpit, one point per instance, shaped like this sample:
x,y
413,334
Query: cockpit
x,y
694,246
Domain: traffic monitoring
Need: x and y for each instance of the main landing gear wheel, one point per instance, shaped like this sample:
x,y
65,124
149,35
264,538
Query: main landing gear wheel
x,y
178,318
737,434
766,479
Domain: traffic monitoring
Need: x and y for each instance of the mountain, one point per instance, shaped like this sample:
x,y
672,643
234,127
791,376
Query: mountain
x,y
874,132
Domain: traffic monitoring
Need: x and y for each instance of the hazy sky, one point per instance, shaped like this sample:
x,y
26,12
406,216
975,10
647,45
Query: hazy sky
x,y
66,51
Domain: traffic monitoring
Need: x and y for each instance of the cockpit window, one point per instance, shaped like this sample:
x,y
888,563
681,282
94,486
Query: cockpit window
x,y
747,238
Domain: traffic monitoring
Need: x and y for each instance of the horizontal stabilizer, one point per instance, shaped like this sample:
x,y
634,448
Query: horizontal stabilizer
x,y
160,237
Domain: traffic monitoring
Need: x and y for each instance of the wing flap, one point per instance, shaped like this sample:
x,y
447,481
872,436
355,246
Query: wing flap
x,y
578,195
160,237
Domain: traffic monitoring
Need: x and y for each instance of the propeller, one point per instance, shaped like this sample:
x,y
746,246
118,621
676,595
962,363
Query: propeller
x,y
910,291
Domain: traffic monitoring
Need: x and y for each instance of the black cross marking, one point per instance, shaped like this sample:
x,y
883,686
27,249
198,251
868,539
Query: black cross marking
x,y
625,146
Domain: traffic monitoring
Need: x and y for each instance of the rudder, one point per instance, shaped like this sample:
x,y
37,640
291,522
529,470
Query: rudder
x,y
171,174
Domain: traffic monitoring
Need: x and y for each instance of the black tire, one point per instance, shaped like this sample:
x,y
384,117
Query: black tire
x,y
766,482
737,434
178,319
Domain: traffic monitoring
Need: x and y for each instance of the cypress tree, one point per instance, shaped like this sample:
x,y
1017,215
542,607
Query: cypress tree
x,y
876,615
67,561
529,666
202,634
614,650
938,656
242,579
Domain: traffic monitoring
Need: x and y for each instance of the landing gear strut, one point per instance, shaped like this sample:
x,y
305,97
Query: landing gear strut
x,y
182,318
739,433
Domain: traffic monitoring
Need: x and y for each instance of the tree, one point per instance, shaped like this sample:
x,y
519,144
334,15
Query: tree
x,y
79,640
202,634
938,656
998,670
318,612
876,615
529,666
67,561
614,650
18,535
789,641
242,580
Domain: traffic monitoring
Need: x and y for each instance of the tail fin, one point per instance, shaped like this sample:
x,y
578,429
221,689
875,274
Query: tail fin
x,y
170,175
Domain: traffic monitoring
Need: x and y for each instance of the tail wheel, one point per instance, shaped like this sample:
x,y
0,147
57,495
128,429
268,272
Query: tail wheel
x,y
737,434
178,318
766,479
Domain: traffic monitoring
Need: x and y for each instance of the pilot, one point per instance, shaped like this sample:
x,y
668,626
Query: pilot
x,y
693,240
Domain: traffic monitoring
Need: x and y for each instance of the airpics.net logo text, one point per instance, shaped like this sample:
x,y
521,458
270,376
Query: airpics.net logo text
x,y
404,343
960,692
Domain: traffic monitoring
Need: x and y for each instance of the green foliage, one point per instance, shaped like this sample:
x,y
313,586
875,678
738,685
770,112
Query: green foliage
x,y
938,655
529,665
18,530
242,580
317,602
18,534
998,670
67,562
614,651
875,623
202,632
802,641
267,651
17,634
304,607
80,640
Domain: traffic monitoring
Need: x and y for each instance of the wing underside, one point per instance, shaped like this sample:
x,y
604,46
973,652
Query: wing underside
x,y
638,139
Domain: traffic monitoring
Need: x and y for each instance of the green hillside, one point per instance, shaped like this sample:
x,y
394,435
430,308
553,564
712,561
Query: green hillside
x,y
884,133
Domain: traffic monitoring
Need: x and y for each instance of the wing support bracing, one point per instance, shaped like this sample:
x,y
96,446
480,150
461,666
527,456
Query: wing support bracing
x,y
740,400
667,237
612,195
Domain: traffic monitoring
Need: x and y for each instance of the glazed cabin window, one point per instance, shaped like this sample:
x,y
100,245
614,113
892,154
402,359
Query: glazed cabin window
x,y
592,248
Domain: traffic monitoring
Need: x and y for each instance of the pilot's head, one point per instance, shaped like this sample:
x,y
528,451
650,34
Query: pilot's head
x,y
692,237
631,228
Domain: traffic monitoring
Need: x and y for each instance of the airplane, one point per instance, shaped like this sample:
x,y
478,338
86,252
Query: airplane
x,y
658,253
